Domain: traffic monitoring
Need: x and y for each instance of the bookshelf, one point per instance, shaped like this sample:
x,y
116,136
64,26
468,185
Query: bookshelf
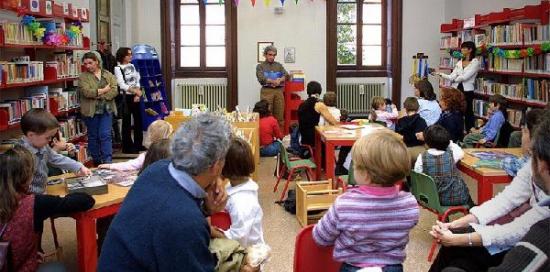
x,y
514,54
37,72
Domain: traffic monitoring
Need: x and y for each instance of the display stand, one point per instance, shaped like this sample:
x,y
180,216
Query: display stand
x,y
292,102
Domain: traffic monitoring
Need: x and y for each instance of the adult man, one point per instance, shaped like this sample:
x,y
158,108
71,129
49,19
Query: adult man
x,y
161,225
271,76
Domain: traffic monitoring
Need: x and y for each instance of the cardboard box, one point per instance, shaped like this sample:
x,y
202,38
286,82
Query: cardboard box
x,y
93,185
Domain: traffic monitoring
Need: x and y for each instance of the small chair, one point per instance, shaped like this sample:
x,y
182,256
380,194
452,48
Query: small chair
x,y
501,139
346,181
310,257
221,220
293,166
425,191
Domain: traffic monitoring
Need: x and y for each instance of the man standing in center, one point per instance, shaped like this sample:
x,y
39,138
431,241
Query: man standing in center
x,y
272,75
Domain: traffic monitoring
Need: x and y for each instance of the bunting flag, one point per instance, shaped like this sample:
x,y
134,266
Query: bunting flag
x,y
267,3
253,2
282,2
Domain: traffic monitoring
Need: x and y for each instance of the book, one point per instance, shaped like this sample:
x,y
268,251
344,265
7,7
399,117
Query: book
x,y
93,185
491,155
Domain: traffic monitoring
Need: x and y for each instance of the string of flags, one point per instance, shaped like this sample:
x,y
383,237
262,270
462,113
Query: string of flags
x,y
267,3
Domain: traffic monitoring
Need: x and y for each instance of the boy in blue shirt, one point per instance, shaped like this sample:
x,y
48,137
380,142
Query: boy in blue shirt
x,y
497,117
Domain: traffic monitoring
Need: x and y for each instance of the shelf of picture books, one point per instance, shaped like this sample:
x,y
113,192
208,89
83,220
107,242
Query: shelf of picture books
x,y
60,102
525,91
481,110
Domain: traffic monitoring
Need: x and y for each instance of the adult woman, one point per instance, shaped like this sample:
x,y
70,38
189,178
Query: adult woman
x,y
22,214
128,78
428,107
463,78
473,243
98,88
452,118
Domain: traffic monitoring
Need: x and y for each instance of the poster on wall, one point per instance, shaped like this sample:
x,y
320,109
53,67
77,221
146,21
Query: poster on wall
x,y
290,54
261,47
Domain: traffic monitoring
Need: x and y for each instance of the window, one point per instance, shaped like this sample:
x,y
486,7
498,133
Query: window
x,y
201,36
360,38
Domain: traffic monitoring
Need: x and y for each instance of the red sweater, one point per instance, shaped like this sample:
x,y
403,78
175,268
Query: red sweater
x,y
269,129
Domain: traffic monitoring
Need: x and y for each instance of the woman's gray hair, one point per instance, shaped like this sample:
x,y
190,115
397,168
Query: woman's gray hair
x,y
270,48
200,142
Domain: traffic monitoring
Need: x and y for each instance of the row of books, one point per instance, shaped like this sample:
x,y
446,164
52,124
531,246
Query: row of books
x,y
71,128
536,34
496,63
506,34
535,90
514,116
66,65
449,42
17,33
22,72
64,99
447,61
538,64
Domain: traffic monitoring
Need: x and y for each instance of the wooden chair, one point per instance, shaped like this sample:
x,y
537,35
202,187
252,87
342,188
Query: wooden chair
x,y
310,257
425,191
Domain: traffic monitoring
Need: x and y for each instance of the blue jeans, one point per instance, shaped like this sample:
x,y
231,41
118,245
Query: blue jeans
x,y
270,150
100,143
388,268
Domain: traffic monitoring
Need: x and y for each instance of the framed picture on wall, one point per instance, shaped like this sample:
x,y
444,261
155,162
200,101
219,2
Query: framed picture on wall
x,y
290,54
261,47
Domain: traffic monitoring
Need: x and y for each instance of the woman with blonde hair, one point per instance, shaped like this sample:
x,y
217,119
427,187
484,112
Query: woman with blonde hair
x,y
158,130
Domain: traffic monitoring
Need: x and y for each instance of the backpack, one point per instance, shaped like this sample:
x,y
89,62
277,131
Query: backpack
x,y
290,202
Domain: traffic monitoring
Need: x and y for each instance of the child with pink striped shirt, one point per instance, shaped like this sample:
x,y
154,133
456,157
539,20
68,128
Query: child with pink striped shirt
x,y
369,225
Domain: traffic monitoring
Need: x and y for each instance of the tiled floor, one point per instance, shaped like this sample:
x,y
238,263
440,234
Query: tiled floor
x,y
280,229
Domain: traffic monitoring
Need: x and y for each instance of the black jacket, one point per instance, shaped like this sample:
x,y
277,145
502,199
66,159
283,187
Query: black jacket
x,y
408,126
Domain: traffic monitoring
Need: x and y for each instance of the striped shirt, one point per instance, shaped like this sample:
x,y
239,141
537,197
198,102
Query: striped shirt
x,y
369,226
43,157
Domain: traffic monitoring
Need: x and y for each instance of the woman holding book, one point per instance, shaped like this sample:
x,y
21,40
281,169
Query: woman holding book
x,y
463,78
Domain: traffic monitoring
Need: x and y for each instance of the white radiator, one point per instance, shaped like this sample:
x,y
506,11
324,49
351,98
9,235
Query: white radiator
x,y
212,95
356,97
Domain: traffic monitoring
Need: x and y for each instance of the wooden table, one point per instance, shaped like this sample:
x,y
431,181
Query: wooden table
x,y
105,205
485,177
331,137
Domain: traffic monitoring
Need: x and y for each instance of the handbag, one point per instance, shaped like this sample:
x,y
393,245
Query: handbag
x,y
4,251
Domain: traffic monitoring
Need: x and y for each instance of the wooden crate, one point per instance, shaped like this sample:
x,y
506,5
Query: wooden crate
x,y
314,196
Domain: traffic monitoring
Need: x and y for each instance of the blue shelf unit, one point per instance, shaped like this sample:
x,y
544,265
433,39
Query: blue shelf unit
x,y
154,104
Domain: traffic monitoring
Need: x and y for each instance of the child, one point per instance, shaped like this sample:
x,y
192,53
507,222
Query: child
x,y
22,214
39,127
512,164
439,162
359,224
269,130
497,117
242,205
411,124
428,107
157,151
330,101
158,130
379,107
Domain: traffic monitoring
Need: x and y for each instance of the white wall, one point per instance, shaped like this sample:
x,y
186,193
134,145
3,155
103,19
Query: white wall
x,y
468,8
302,26
421,22
143,23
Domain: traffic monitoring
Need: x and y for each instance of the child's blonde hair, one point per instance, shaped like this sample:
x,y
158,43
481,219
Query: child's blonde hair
x,y
330,99
158,130
377,101
383,156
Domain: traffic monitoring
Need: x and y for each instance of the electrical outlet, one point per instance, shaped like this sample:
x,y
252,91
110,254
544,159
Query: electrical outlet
x,y
361,89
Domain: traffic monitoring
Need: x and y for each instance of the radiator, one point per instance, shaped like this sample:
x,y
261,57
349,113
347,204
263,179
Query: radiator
x,y
356,97
212,95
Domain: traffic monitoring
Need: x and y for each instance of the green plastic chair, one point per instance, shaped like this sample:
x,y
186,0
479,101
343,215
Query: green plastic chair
x,y
425,191
293,166
348,180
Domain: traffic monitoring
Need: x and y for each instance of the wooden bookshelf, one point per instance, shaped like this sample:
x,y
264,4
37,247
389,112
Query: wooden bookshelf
x,y
37,83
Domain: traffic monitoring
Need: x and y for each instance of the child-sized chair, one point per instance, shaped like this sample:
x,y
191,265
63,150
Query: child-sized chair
x,y
293,166
425,191
502,138
346,181
310,257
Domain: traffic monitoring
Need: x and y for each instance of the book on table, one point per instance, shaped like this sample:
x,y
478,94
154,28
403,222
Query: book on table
x,y
93,185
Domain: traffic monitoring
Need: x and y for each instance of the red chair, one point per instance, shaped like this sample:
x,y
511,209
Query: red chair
x,y
310,257
221,220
